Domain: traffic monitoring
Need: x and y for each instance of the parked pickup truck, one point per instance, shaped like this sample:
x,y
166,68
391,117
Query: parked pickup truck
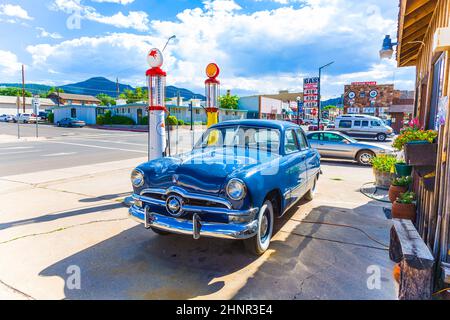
x,y
26,118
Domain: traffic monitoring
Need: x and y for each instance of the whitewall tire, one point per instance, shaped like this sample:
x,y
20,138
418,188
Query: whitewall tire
x,y
260,243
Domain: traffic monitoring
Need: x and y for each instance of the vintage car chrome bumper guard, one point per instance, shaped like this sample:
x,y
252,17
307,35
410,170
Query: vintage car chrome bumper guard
x,y
195,227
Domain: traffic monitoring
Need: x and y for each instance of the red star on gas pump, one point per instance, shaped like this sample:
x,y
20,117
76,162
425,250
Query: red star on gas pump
x,y
153,54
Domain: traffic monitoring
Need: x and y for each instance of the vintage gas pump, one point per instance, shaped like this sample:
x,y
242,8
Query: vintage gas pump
x,y
212,92
156,80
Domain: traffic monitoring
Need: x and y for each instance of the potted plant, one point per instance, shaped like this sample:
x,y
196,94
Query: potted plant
x,y
402,169
404,207
399,185
384,170
417,144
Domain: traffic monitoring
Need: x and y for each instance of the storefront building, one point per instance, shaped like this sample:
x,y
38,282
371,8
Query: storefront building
x,y
424,42
380,100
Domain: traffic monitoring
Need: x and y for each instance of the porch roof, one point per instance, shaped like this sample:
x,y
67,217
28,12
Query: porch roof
x,y
413,22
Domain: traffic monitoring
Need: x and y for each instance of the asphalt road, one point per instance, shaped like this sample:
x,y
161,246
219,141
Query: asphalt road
x,y
68,147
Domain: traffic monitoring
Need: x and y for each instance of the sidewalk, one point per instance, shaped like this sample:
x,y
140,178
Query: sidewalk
x,y
51,221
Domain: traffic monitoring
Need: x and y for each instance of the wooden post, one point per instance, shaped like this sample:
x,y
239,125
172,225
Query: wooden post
x,y
416,261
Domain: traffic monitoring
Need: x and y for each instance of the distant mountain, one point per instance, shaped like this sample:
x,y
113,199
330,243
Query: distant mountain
x,y
334,102
97,85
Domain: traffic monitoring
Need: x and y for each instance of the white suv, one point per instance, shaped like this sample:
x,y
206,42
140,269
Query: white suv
x,y
363,126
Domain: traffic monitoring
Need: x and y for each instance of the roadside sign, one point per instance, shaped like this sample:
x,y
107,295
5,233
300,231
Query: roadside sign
x,y
311,92
36,104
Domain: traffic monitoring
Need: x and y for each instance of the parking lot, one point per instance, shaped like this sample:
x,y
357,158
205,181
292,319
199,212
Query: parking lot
x,y
62,212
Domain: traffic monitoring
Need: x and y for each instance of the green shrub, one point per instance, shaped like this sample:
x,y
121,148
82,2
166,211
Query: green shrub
x,y
122,120
384,163
144,121
171,121
180,122
406,198
51,117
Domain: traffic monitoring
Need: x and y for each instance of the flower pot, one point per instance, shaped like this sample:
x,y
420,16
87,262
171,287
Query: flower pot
x,y
404,211
383,179
421,154
403,170
394,192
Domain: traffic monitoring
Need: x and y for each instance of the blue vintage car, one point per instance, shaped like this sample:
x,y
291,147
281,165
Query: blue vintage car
x,y
237,179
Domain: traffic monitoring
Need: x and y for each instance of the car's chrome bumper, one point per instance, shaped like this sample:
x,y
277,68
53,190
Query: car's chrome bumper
x,y
194,227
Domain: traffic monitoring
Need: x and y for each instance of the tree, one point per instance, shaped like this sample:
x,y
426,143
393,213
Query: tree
x,y
229,102
11,91
329,107
135,96
106,100
53,90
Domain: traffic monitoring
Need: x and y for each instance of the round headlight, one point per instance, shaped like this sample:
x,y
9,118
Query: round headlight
x,y
236,189
137,178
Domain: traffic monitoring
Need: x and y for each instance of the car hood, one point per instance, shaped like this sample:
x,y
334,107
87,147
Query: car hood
x,y
203,170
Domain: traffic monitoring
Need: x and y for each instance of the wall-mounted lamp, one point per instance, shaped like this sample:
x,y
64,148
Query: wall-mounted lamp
x,y
387,50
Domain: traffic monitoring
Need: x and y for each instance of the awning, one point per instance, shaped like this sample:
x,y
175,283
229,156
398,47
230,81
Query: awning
x,y
414,19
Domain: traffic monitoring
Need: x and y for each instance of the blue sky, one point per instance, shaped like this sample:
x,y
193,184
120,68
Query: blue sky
x,y
262,46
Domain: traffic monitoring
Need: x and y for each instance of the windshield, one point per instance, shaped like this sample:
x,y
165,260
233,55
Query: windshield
x,y
243,137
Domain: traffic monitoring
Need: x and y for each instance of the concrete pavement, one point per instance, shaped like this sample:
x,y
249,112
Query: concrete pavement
x,y
53,221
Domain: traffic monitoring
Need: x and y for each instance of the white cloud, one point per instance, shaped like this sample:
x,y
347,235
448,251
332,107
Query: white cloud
x,y
137,20
14,11
45,34
10,67
124,2
259,52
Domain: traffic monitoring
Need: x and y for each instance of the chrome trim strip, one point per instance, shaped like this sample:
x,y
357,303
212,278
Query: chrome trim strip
x,y
207,229
198,209
188,195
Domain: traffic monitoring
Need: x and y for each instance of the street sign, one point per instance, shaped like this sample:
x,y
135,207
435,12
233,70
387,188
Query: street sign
x,y
36,105
311,92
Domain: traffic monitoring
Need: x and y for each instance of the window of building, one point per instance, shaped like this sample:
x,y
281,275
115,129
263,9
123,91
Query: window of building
x,y
346,124
362,94
73,113
290,142
129,110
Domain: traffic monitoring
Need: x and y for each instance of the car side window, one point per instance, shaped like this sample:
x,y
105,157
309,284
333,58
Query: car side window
x,y
365,123
375,123
346,124
290,142
302,140
332,137
357,123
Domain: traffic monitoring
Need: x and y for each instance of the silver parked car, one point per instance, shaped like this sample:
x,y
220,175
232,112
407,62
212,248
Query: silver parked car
x,y
332,144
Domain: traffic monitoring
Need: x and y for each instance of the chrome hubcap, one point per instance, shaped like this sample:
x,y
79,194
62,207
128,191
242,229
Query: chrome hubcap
x,y
264,226
365,158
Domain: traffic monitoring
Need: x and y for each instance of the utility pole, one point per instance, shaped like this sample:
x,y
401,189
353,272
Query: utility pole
x,y
117,88
320,85
23,87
